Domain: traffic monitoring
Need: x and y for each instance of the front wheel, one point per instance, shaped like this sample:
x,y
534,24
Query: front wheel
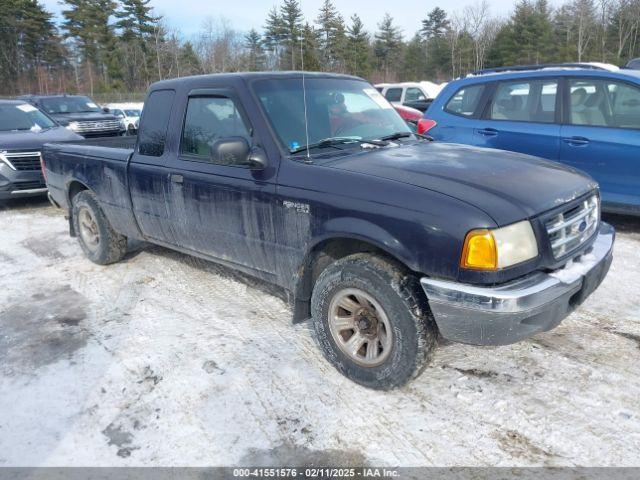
x,y
372,321
99,241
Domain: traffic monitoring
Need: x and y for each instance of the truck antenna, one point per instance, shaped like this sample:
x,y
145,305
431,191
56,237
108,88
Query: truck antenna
x,y
304,98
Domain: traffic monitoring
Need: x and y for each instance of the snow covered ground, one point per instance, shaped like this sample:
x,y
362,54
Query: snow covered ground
x,y
168,360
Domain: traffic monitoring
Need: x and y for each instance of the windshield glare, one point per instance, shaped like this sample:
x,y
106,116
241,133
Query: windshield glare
x,y
69,105
335,108
23,117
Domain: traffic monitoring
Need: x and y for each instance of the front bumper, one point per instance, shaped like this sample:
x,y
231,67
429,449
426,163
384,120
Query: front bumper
x,y
516,310
20,183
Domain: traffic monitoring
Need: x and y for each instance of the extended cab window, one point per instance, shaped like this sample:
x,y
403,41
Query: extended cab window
x,y
465,101
528,101
153,126
393,94
208,120
604,103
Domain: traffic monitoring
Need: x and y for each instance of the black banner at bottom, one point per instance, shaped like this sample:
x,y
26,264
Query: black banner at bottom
x,y
314,473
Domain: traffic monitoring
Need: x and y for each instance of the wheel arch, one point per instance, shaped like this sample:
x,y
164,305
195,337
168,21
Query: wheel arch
x,y
334,246
74,187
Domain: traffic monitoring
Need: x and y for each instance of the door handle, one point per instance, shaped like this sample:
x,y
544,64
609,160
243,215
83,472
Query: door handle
x,y
176,178
488,132
576,141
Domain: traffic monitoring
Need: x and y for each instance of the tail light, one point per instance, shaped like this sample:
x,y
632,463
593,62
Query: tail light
x,y
43,167
425,124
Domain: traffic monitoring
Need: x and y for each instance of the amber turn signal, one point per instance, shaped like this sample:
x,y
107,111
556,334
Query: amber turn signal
x,y
479,251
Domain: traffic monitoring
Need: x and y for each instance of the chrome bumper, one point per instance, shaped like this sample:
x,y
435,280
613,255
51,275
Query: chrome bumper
x,y
510,312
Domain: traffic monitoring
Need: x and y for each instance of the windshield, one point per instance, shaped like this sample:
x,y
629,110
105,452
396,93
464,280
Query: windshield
x,y
69,105
335,108
23,117
132,113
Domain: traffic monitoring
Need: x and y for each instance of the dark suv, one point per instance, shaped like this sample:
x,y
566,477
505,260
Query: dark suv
x,y
79,114
23,131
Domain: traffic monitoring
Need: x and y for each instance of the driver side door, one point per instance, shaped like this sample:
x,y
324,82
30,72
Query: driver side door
x,y
219,207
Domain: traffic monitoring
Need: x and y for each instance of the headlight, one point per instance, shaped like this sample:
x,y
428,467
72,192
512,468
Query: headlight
x,y
500,247
73,126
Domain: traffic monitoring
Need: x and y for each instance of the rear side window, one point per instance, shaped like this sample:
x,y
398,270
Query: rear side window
x,y
393,94
414,94
465,101
154,123
528,101
208,120
604,103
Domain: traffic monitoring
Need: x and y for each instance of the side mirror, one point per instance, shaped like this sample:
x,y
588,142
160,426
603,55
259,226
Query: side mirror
x,y
230,151
105,109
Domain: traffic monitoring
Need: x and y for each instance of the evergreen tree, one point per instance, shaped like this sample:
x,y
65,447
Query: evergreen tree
x,y
310,59
274,34
292,18
527,38
358,48
331,33
135,20
87,23
255,51
435,25
388,47
30,47
414,62
436,48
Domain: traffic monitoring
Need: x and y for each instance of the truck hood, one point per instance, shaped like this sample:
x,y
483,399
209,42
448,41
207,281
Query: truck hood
x,y
22,140
508,186
65,118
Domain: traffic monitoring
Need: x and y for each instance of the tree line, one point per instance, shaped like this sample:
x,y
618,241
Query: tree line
x,y
102,46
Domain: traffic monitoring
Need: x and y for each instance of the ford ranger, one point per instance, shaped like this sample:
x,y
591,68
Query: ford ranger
x,y
313,182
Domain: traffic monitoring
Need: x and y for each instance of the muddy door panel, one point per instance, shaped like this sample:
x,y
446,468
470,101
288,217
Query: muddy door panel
x,y
224,212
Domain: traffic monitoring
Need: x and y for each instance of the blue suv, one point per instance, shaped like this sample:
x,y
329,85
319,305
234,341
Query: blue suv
x,y
586,116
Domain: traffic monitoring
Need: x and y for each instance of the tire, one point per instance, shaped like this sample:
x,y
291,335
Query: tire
x,y
98,240
379,284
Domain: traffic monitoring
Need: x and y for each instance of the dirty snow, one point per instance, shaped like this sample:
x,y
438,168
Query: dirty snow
x,y
166,360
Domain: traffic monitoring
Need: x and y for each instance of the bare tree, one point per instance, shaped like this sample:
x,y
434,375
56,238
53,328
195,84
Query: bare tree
x,y
482,28
219,46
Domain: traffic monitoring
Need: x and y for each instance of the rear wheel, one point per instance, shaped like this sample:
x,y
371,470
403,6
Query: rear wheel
x,y
372,321
99,241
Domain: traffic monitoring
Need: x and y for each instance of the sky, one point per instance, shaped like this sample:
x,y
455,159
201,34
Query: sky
x,y
188,15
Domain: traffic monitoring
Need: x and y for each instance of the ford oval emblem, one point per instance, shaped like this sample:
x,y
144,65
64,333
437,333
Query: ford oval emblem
x,y
583,226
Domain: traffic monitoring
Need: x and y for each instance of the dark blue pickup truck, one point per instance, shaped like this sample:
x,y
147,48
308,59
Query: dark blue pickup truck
x,y
315,184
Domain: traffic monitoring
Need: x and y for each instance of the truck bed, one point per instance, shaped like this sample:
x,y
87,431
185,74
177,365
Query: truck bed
x,y
108,148
99,165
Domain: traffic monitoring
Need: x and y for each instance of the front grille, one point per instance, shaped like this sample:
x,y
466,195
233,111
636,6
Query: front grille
x,y
96,126
28,185
23,160
571,228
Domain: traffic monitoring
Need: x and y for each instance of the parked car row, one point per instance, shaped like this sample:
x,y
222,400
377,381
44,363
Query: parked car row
x,y
586,116
30,121
314,183
128,114
79,114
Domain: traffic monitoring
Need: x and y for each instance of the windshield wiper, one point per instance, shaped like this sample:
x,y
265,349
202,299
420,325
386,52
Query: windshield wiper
x,y
398,135
335,141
